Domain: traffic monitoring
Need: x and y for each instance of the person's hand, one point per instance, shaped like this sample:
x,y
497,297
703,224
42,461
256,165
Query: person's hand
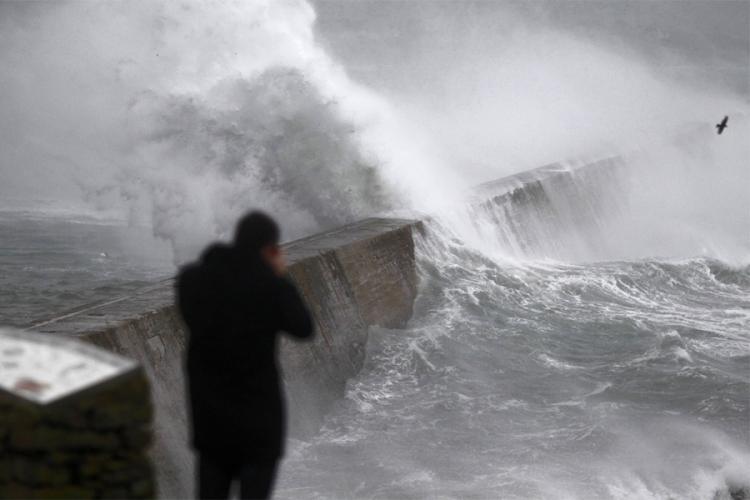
x,y
278,263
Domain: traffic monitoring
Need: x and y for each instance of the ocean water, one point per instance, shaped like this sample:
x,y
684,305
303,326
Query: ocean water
x,y
53,262
623,379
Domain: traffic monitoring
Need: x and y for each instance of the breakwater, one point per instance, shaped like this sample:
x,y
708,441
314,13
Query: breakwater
x,y
352,277
558,210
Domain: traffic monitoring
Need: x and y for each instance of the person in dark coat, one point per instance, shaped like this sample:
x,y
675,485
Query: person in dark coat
x,y
235,301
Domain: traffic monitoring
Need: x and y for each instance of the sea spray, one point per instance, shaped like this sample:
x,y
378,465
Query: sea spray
x,y
182,115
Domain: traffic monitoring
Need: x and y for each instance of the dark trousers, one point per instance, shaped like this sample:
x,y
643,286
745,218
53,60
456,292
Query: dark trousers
x,y
216,475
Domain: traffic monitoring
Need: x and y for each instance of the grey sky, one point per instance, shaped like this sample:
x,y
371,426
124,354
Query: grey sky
x,y
381,41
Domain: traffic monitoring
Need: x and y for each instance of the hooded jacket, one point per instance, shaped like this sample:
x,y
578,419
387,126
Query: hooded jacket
x,y
234,307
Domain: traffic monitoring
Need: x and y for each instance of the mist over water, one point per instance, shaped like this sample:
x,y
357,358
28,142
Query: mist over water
x,y
582,336
180,116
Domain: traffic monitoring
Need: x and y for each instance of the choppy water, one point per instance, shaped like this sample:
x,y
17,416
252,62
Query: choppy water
x,y
605,380
51,263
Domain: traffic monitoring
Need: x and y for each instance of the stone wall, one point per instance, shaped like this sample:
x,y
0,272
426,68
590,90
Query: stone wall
x,y
88,440
355,276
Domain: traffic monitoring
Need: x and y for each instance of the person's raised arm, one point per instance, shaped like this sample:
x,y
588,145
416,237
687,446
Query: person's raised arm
x,y
295,318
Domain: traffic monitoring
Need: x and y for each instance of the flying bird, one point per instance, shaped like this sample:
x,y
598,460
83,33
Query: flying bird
x,y
721,126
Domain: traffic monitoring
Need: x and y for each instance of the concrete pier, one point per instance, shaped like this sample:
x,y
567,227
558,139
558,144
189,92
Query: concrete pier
x,y
554,211
352,277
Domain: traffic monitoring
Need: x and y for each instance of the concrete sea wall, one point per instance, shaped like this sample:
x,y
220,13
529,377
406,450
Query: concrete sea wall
x,y
557,211
353,277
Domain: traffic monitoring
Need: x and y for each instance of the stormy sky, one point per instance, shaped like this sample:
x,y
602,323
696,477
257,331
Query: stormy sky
x,y
386,42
